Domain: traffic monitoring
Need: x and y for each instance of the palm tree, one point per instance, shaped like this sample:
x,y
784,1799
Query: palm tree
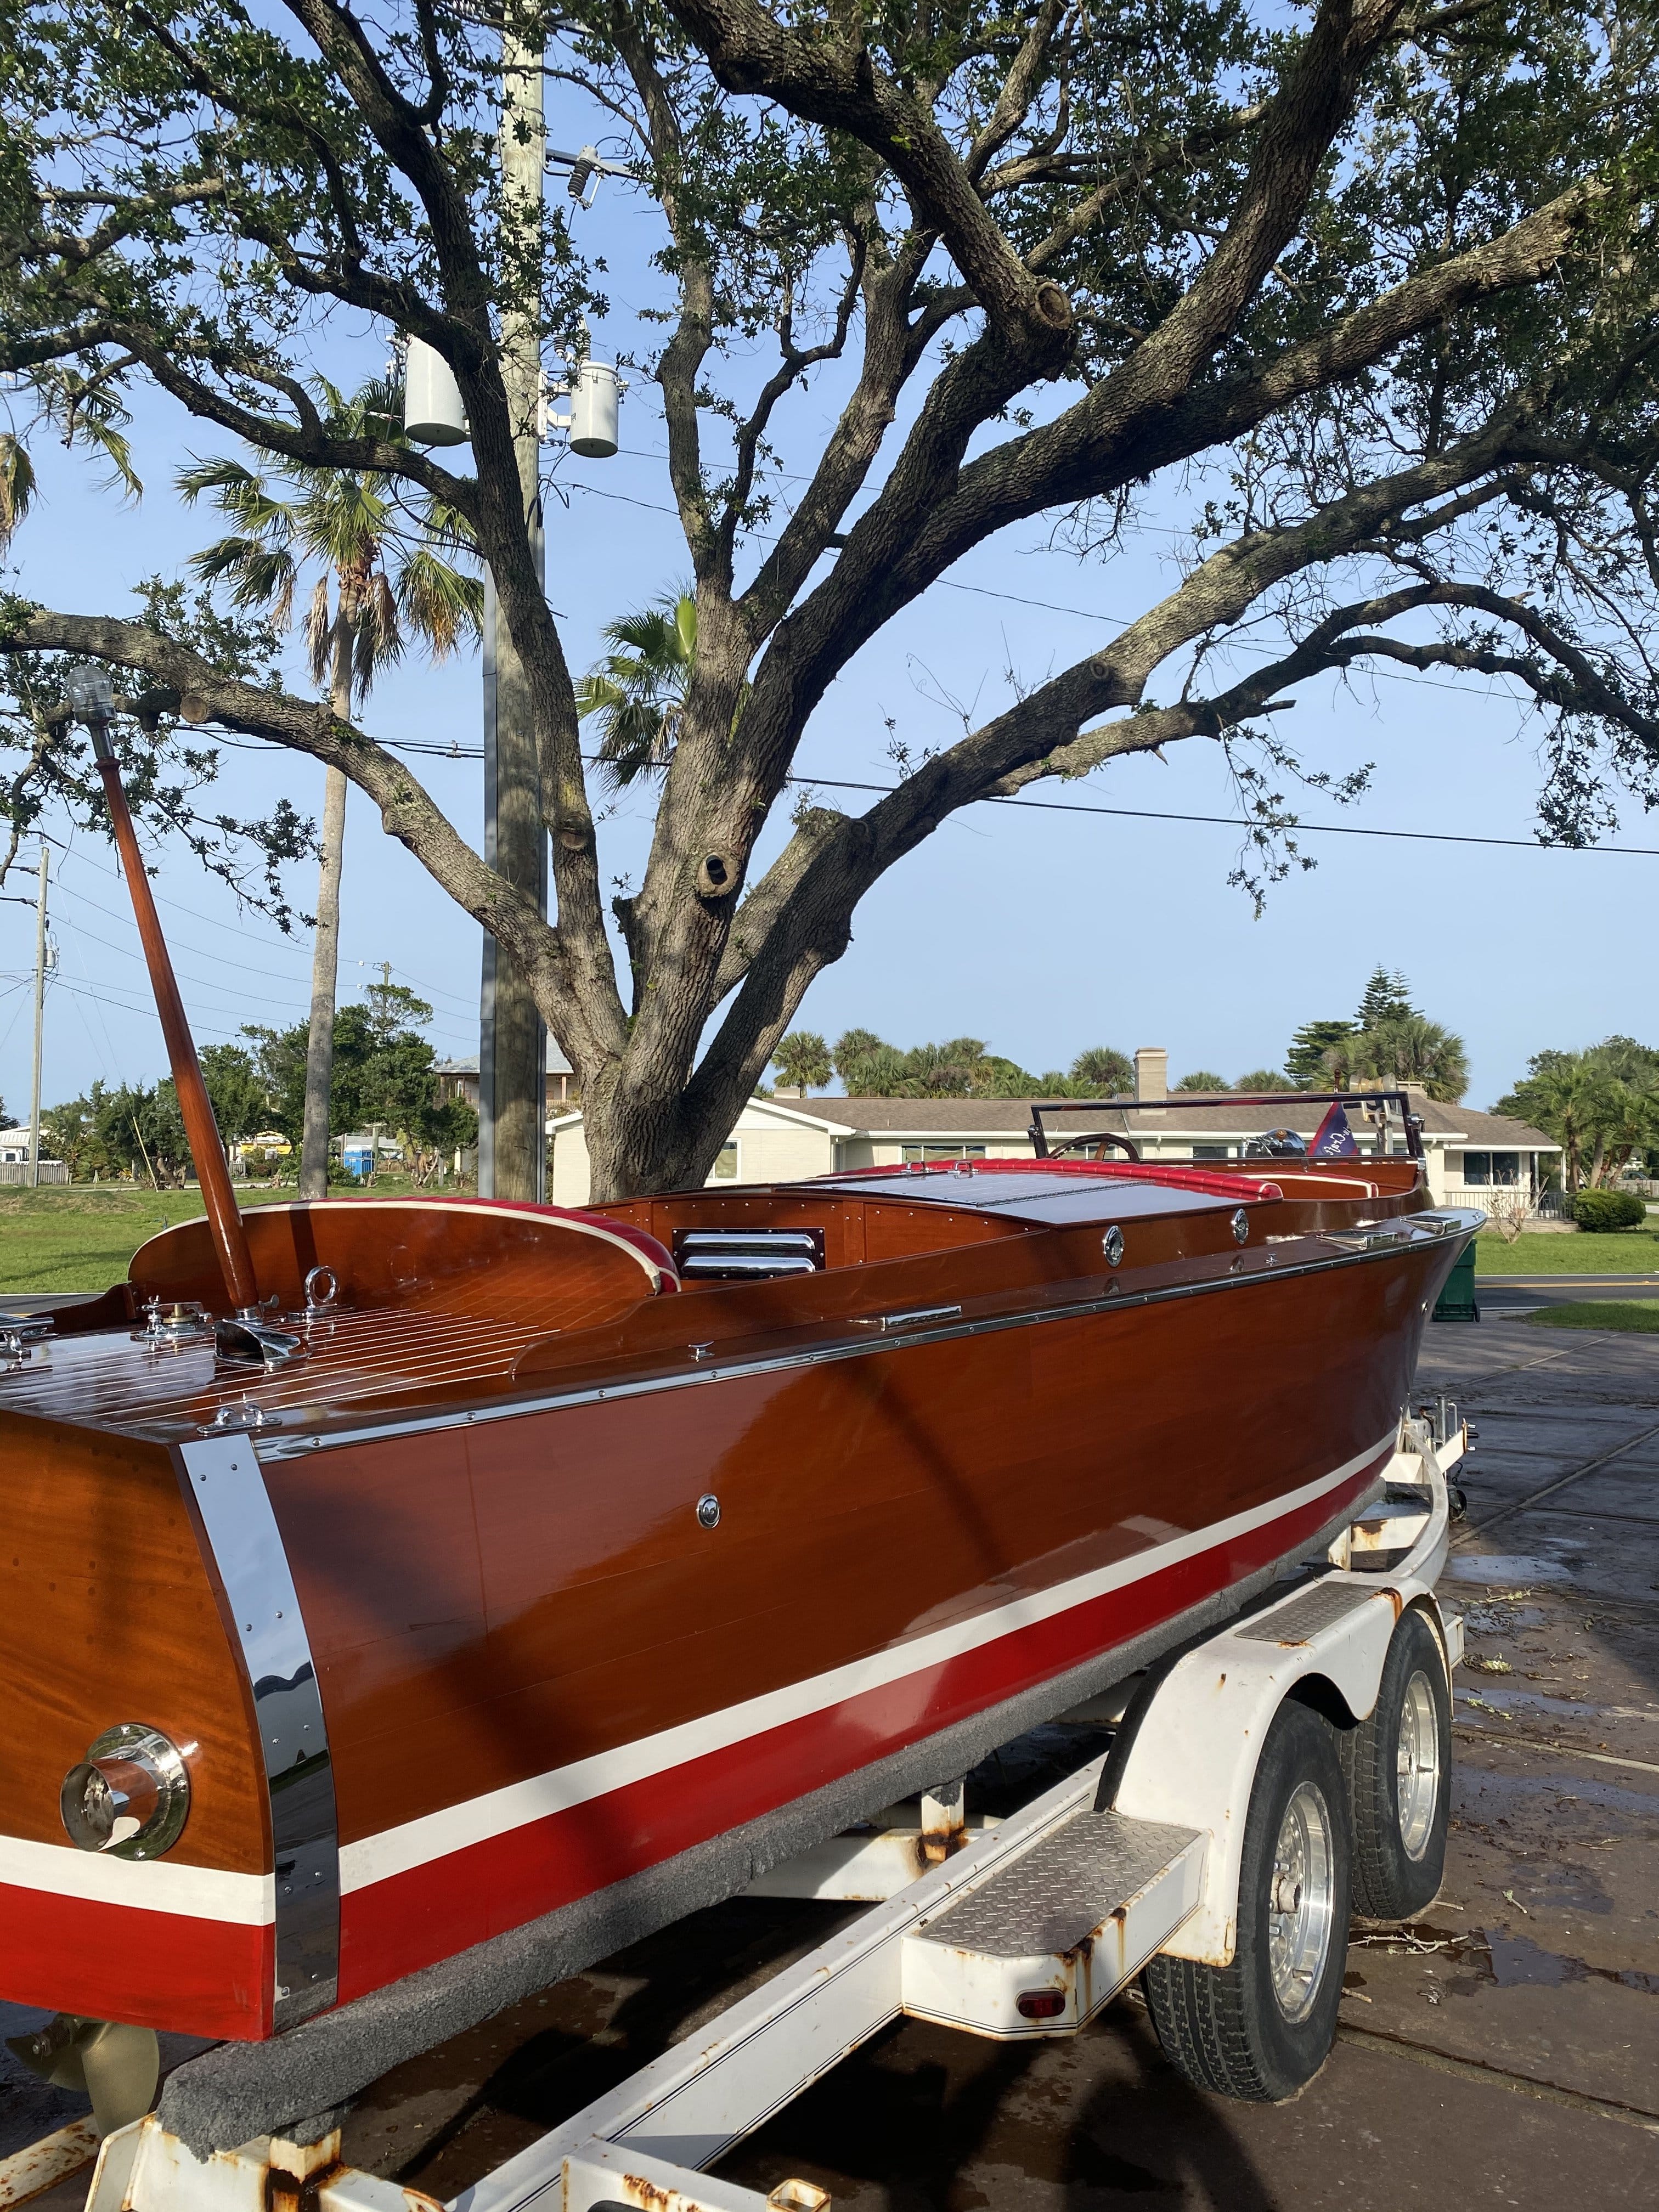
x,y
1201,1079
638,689
1103,1068
803,1059
388,573
1405,1048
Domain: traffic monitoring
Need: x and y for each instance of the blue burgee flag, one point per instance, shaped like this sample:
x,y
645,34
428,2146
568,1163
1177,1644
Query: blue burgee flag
x,y
1335,1139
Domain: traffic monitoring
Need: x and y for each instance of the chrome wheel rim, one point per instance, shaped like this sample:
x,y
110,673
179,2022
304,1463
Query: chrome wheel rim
x,y
1417,1766
1300,1901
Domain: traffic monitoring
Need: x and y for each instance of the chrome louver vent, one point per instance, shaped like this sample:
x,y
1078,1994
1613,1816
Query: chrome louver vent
x,y
735,1254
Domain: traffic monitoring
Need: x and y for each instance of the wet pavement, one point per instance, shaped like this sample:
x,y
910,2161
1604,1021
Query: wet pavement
x,y
1504,2051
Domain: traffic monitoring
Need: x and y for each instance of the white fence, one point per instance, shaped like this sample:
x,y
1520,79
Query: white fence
x,y
1508,1199
22,1171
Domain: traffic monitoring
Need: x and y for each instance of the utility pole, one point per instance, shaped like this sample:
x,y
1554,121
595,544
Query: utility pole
x,y
512,1041
40,1017
324,966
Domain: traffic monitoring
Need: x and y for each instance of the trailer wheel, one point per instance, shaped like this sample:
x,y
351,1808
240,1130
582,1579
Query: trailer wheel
x,y
1262,2027
1397,1763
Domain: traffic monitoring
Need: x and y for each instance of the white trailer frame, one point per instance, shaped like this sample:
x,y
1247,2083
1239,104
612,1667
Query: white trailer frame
x,y
1175,1833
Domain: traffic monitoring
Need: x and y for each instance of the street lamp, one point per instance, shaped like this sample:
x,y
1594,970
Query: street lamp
x,y
92,695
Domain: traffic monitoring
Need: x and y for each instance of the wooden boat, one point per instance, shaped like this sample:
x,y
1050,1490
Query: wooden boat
x,y
384,1577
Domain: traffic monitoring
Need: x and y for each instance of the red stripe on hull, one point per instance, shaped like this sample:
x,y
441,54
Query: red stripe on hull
x,y
413,1919
150,1969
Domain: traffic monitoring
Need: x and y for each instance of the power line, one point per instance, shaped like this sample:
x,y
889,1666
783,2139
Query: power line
x,y
83,990
1242,822
1143,813
1045,606
201,982
224,961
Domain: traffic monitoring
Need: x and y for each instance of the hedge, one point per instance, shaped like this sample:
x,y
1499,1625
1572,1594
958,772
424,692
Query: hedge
x,y
1609,1209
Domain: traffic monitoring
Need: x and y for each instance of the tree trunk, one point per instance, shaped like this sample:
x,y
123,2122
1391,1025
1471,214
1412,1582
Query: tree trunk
x,y
638,1144
325,948
520,1080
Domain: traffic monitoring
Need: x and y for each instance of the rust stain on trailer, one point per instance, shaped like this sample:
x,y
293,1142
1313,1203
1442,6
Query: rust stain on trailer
x,y
647,2195
934,1846
26,2172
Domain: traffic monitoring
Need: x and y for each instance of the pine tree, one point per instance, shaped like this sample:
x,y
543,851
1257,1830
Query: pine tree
x,y
1388,998
1304,1063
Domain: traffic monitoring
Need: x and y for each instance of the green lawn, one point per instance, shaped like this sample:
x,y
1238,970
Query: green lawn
x,y
1641,1316
81,1238
1618,1252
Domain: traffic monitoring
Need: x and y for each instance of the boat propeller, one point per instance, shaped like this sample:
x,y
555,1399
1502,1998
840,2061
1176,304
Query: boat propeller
x,y
117,2066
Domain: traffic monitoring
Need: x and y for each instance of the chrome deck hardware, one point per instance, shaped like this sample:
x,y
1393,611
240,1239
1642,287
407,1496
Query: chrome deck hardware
x,y
21,1333
180,1321
708,1255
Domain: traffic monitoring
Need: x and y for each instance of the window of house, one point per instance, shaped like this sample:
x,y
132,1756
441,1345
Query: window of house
x,y
1481,1168
942,1153
725,1163
1212,1151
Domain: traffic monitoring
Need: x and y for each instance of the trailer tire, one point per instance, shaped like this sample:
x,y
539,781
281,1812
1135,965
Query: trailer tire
x,y
1263,2026
1397,1763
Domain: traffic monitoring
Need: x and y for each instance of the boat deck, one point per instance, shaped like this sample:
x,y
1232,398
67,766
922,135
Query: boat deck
x,y
354,1363
444,1306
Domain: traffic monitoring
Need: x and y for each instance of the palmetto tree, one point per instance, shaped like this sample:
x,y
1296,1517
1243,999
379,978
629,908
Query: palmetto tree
x,y
1404,1049
638,690
1104,1070
387,576
802,1059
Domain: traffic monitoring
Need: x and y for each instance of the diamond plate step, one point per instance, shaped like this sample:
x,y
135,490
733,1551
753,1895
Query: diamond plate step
x,y
1072,1920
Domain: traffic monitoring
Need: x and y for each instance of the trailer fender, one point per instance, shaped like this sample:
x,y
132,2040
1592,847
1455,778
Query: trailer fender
x,y
1194,1760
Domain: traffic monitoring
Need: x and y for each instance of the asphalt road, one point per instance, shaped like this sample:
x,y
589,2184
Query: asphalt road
x,y
1512,1294
1504,2051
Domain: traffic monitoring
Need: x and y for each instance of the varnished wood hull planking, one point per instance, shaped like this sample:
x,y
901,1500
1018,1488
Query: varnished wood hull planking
x,y
111,1612
541,1673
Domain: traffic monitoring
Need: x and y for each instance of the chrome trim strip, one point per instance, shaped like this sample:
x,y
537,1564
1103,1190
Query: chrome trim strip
x,y
224,1479
1113,1300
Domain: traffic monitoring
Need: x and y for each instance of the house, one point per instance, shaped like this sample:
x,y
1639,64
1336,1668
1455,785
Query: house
x,y
259,1151
458,1078
1469,1154
15,1165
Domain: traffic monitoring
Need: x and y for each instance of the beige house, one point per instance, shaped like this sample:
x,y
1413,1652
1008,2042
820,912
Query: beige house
x,y
1470,1155
458,1078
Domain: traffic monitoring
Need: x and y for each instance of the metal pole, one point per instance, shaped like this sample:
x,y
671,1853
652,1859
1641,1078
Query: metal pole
x,y
325,989
40,1017
491,852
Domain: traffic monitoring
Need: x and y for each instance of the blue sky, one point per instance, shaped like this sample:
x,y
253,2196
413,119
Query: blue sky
x,y
1041,931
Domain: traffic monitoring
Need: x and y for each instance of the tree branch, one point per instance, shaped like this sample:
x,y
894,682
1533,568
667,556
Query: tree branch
x,y
408,812
829,81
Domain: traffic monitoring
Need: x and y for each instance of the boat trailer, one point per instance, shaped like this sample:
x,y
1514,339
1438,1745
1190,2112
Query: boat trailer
x,y
1018,1927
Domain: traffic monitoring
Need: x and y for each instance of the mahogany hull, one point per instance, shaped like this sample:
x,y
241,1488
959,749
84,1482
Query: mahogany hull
x,y
542,1674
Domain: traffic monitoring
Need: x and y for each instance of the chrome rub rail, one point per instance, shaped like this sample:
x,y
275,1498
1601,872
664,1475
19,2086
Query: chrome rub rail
x,y
223,1478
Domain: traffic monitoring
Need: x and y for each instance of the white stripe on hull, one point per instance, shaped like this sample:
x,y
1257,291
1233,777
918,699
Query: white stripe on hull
x,y
396,1850
194,1893
208,1893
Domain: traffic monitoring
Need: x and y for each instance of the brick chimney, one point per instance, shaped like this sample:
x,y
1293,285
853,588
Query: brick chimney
x,y
1151,1072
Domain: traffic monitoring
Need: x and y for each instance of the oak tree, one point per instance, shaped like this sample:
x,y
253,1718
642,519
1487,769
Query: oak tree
x,y
1361,292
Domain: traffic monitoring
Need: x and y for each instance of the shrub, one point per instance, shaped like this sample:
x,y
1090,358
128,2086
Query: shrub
x,y
1609,1209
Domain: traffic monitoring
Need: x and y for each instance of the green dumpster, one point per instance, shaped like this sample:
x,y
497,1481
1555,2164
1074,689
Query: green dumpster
x,y
1456,1301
